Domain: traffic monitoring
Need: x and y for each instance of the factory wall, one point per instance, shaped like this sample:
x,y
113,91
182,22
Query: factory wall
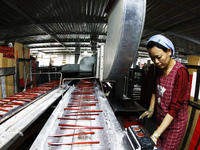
x,y
58,60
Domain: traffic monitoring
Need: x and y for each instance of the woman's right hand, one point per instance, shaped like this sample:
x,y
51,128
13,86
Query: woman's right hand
x,y
147,113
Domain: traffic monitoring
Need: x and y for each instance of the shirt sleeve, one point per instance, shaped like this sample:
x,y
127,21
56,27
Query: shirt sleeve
x,y
179,93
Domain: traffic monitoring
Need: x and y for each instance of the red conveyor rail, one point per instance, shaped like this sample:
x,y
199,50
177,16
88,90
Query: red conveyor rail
x,y
82,106
10,105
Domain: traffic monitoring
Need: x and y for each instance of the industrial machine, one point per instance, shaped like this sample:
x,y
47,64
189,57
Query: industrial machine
x,y
23,108
83,117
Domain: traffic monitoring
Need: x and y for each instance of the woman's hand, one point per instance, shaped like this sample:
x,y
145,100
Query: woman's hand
x,y
155,137
147,113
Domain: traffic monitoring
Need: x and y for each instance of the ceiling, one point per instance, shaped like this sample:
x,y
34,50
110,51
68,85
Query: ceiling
x,y
64,26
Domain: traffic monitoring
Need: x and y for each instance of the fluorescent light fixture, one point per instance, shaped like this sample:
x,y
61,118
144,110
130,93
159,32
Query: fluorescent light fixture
x,y
51,48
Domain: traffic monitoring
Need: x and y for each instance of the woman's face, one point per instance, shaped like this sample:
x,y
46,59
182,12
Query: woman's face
x,y
159,57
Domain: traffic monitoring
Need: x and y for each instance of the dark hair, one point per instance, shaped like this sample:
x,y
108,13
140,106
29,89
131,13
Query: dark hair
x,y
151,44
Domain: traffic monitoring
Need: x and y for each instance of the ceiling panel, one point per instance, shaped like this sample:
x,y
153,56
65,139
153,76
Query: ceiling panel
x,y
60,21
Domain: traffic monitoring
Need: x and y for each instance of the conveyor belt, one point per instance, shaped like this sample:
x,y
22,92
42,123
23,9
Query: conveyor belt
x,y
11,105
23,117
82,120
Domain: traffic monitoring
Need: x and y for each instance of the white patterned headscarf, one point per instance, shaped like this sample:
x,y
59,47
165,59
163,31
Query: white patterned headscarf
x,y
163,41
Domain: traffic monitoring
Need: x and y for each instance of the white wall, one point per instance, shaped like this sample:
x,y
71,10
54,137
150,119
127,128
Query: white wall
x,y
58,60
64,59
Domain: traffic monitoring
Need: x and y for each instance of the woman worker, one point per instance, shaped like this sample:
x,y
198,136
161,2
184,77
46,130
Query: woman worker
x,y
170,96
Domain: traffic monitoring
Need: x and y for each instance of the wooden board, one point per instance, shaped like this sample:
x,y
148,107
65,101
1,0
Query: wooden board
x,y
27,53
1,66
9,80
192,129
18,48
194,60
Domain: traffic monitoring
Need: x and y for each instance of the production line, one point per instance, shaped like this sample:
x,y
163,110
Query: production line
x,y
84,119
19,111
14,103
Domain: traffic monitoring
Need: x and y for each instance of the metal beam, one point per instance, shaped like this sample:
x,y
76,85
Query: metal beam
x,y
63,41
171,33
7,71
31,20
184,23
69,45
184,37
181,7
59,33
60,47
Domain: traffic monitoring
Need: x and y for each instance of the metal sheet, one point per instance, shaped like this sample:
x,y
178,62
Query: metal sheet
x,y
14,127
125,25
40,141
87,63
71,68
7,71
